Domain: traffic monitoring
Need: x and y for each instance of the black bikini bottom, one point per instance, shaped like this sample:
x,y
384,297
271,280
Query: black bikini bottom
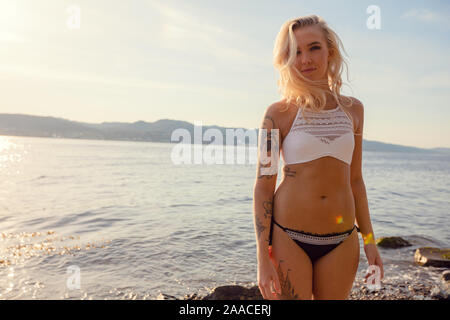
x,y
314,245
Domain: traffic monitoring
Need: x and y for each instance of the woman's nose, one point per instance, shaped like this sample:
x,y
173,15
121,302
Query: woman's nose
x,y
305,59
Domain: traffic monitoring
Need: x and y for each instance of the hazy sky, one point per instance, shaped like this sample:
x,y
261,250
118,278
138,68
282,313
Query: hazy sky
x,y
211,61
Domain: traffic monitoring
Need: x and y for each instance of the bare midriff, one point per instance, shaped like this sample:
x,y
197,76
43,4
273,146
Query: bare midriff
x,y
315,196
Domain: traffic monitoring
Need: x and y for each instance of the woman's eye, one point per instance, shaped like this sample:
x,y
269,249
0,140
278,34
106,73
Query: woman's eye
x,y
312,48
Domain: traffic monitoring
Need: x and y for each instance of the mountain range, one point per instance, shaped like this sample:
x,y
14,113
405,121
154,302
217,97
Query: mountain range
x,y
158,131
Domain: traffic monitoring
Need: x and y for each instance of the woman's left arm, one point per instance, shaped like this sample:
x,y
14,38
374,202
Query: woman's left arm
x,y
359,193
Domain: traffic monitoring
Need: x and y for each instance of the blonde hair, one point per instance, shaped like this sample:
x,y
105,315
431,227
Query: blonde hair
x,y
296,88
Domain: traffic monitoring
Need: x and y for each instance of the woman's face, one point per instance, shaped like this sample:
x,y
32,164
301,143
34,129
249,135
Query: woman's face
x,y
312,52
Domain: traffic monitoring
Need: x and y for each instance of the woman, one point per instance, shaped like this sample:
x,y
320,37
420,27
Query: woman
x,y
307,241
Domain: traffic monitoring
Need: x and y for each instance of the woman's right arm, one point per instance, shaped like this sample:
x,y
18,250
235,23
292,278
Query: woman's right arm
x,y
264,188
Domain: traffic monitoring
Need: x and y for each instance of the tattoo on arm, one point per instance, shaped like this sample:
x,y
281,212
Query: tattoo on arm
x,y
268,209
268,121
259,227
267,176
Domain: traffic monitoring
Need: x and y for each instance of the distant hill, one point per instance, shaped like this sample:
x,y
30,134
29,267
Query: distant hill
x,y
38,126
158,131
441,150
382,146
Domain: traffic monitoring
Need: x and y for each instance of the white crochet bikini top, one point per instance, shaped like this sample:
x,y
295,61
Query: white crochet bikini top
x,y
328,133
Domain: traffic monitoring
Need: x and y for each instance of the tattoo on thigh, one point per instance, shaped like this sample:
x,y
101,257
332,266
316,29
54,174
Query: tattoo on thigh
x,y
287,289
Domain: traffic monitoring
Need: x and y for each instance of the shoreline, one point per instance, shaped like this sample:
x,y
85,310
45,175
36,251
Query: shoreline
x,y
412,284
388,291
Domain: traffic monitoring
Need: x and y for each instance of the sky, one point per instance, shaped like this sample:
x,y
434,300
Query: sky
x,y
210,61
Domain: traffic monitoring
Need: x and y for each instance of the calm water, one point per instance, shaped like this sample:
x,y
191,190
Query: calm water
x,y
136,225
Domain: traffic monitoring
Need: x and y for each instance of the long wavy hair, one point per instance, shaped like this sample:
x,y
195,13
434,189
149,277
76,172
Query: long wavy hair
x,y
296,88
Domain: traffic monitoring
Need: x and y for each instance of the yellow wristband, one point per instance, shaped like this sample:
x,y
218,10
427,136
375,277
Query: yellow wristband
x,y
368,238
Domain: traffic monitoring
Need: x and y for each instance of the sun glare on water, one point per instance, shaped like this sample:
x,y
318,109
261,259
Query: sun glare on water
x,y
5,143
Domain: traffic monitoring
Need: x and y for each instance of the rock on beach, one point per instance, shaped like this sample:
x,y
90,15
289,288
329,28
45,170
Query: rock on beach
x,y
392,242
434,257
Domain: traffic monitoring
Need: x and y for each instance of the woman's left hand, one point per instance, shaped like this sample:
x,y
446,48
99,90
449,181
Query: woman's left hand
x,y
373,258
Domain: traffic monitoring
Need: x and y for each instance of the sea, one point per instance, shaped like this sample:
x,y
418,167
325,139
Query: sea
x,y
95,219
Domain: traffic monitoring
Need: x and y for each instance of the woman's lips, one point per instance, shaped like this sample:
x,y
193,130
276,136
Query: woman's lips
x,y
308,70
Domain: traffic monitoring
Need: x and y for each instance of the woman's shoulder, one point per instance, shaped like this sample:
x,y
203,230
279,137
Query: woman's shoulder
x,y
278,107
279,115
356,103
277,112
356,110
351,104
